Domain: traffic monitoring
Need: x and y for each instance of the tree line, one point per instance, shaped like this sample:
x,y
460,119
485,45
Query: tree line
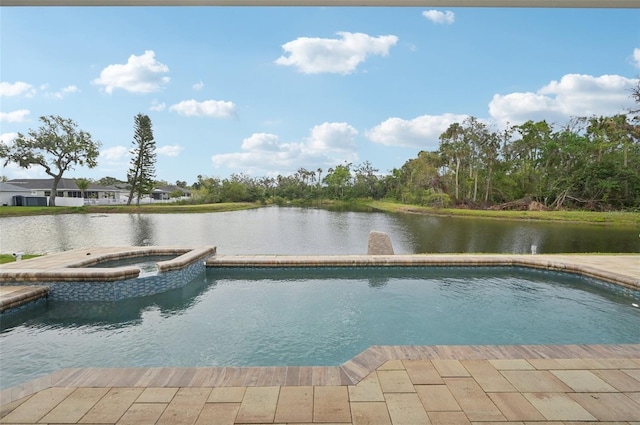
x,y
591,163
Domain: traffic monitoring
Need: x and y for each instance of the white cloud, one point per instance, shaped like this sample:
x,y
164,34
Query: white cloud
x,y
7,138
15,116
574,95
261,142
14,171
66,91
438,17
115,154
332,136
141,74
636,57
157,106
18,88
421,132
170,150
327,145
336,56
198,86
207,108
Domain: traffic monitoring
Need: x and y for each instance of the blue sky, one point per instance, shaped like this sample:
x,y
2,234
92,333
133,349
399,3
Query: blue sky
x,y
266,91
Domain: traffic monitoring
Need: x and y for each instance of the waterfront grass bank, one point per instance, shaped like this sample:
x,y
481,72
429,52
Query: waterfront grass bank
x,y
631,219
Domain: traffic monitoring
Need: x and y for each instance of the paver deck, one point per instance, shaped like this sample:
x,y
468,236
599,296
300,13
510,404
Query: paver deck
x,y
479,385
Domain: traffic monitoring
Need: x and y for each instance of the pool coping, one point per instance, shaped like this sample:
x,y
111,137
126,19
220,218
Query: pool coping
x,y
71,266
619,269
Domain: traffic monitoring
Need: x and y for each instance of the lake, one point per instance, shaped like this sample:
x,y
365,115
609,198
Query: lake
x,y
292,230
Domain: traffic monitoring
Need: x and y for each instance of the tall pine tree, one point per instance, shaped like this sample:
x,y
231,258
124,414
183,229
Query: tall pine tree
x,y
142,173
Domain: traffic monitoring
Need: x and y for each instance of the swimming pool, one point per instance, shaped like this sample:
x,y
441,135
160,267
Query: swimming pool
x,y
314,316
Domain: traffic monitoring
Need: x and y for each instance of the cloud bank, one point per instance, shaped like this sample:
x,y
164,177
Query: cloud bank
x,y
327,145
573,95
421,132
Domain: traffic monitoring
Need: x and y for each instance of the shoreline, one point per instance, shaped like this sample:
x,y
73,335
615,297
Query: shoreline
x,y
617,218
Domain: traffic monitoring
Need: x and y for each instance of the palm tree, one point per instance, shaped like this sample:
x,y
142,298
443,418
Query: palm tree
x,y
83,185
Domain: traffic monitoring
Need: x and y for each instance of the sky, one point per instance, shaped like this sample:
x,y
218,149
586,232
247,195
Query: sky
x,y
265,91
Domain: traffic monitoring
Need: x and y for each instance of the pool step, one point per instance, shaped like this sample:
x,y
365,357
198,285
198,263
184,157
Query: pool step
x,y
15,296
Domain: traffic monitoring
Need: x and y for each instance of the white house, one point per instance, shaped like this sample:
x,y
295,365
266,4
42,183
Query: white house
x,y
8,192
163,193
68,193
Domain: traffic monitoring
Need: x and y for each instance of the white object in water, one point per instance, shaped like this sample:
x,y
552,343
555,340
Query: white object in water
x,y
635,305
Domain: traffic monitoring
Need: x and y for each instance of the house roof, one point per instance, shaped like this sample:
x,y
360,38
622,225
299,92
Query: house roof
x,y
65,184
6,187
169,189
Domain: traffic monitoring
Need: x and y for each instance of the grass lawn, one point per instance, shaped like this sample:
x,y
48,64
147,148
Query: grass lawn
x,y
9,258
617,218
11,211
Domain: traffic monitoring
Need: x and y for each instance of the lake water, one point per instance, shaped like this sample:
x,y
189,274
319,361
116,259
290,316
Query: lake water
x,y
284,230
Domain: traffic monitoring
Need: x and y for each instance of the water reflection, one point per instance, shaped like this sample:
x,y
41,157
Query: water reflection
x,y
378,282
142,229
290,230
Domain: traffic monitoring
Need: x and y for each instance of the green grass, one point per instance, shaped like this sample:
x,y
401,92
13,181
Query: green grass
x,y
9,258
616,218
123,209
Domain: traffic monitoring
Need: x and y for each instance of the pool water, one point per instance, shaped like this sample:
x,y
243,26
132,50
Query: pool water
x,y
325,316
146,264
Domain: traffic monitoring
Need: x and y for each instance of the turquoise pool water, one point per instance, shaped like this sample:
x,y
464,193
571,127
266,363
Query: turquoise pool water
x,y
241,317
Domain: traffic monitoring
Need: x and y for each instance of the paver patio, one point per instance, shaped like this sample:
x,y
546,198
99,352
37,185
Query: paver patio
x,y
479,385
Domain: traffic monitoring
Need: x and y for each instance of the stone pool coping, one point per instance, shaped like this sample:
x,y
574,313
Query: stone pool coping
x,y
16,296
71,266
619,269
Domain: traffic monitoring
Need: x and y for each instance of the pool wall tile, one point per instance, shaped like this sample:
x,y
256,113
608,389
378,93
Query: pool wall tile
x,y
145,285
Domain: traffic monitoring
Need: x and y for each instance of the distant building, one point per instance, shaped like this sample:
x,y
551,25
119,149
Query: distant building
x,y
162,193
8,193
68,192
